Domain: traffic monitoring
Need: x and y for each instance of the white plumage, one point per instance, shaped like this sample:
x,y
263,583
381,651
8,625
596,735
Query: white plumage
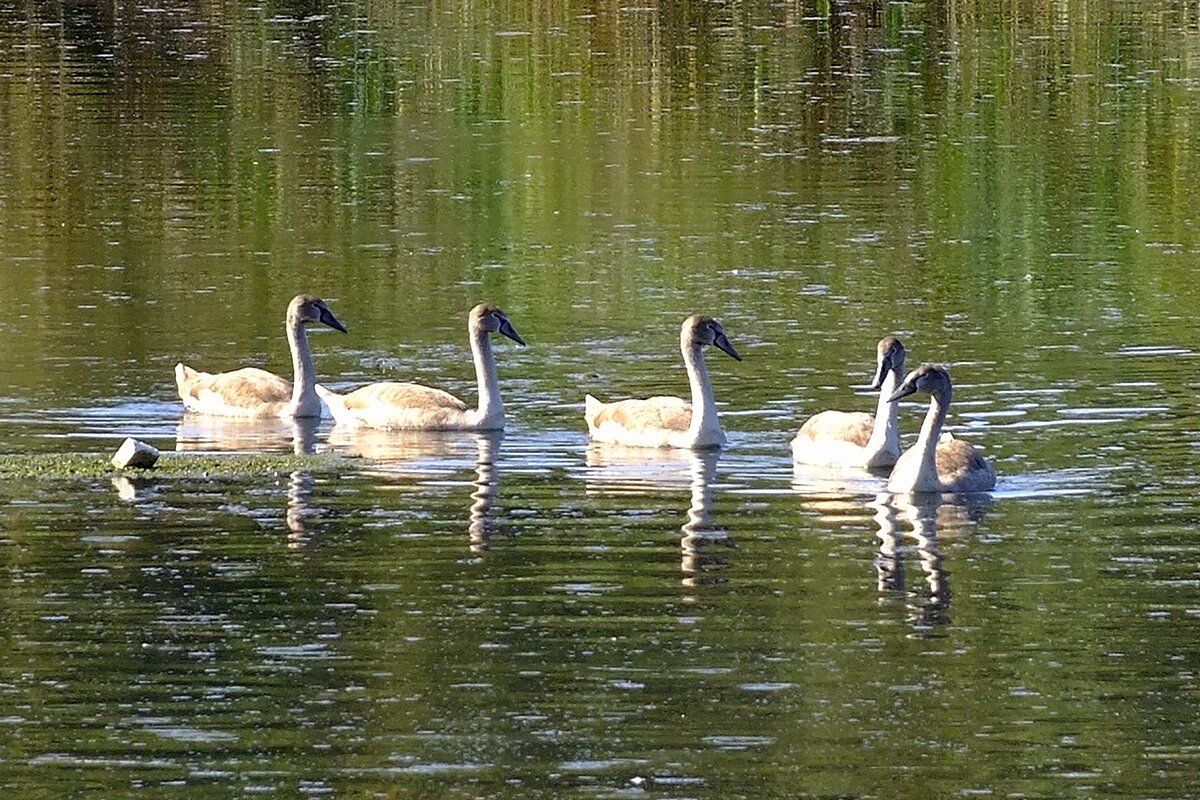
x,y
938,463
410,406
668,421
857,439
253,392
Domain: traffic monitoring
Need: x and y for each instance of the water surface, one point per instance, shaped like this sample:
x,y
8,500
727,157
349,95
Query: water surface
x,y
1011,189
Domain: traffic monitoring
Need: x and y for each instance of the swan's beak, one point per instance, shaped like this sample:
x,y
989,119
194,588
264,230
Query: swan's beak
x,y
327,318
904,390
885,364
508,330
722,342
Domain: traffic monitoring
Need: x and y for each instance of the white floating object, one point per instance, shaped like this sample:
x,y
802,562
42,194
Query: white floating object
x,y
135,454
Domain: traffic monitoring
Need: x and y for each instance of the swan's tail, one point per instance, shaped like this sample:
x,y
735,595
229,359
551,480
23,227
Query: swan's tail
x,y
591,409
334,402
185,379
184,375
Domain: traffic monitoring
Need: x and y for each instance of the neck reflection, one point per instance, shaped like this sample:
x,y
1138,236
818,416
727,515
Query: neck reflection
x,y
703,547
482,523
301,513
930,607
643,471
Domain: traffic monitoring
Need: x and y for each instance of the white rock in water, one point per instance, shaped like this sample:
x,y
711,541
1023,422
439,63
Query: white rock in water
x,y
135,454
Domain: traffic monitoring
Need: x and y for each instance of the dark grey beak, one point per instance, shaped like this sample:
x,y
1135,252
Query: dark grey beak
x,y
722,342
904,390
885,364
327,318
508,330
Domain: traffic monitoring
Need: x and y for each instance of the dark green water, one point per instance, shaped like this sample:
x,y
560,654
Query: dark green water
x,y
1012,188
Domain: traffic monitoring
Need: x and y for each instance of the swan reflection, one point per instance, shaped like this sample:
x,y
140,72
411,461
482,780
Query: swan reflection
x,y
209,433
428,454
835,481
301,513
703,546
418,452
925,515
483,523
206,432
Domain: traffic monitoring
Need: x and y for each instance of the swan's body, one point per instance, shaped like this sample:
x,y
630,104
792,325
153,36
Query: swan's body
x,y
253,392
856,438
938,463
668,421
413,407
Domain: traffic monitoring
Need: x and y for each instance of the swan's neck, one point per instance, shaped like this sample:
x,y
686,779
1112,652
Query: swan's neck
x,y
885,435
705,427
491,407
304,376
927,442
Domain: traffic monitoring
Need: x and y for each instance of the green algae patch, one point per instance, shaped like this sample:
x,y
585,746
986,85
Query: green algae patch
x,y
52,466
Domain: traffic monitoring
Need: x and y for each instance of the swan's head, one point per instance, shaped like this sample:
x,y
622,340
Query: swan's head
x,y
928,378
888,358
699,329
306,308
492,320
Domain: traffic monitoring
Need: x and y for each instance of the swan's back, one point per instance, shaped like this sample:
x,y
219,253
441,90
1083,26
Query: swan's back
x,y
853,427
668,413
247,392
398,406
648,421
842,437
833,437
962,468
402,395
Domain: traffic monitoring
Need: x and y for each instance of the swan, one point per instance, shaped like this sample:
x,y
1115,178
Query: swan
x,y
855,438
253,392
668,421
937,463
413,407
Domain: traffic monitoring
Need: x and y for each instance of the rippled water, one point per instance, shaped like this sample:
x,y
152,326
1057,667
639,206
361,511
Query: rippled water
x,y
1011,189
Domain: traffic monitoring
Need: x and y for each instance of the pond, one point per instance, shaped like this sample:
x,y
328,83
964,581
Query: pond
x,y
1013,189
